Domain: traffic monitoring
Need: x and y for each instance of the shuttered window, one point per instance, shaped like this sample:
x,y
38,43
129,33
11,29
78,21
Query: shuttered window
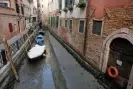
x,y
97,26
70,24
22,9
17,6
57,21
60,23
65,23
81,26
60,4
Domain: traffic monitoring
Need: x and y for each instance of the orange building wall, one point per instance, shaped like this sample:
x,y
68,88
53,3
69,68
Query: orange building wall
x,y
100,5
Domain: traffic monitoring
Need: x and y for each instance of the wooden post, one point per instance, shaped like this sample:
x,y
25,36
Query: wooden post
x,y
10,58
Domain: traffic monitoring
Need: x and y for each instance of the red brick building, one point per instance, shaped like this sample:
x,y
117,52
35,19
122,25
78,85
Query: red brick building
x,y
102,32
11,18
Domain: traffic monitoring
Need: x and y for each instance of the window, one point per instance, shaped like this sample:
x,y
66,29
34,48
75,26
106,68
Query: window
x,y
71,2
66,3
34,19
15,27
53,21
22,9
50,21
60,23
65,23
97,25
70,24
81,26
10,27
60,4
18,26
57,21
4,3
17,6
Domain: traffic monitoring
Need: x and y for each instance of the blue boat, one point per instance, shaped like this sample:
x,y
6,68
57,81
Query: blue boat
x,y
39,39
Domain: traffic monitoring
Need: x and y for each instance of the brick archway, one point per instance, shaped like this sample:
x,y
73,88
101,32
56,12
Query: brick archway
x,y
122,33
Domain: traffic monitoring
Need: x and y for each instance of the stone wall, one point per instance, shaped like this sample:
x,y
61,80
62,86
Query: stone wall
x,y
115,19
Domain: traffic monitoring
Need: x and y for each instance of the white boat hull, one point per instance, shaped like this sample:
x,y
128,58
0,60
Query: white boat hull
x,y
36,51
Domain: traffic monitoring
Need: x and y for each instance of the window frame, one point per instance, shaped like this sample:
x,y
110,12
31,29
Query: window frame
x,y
69,24
15,28
50,20
65,23
60,23
72,3
22,9
57,25
79,26
17,7
102,20
8,4
60,4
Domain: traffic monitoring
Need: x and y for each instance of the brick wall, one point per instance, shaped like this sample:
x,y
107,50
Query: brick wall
x,y
4,21
116,18
72,37
121,17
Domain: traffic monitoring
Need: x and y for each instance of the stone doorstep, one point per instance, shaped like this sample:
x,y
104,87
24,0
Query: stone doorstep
x,y
96,73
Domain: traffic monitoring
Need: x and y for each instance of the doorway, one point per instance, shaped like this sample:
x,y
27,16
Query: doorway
x,y
121,56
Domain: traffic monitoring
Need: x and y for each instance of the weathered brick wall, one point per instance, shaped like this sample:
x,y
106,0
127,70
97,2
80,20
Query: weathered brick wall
x,y
77,37
118,18
62,31
115,19
4,28
72,37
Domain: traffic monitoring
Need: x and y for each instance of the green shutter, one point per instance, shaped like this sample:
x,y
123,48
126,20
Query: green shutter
x,y
57,21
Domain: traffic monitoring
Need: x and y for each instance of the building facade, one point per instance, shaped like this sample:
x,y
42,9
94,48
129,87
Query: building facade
x,y
100,31
11,18
16,18
30,9
43,11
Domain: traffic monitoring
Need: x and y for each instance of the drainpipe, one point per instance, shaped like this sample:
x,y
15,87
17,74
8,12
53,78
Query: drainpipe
x,y
86,27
